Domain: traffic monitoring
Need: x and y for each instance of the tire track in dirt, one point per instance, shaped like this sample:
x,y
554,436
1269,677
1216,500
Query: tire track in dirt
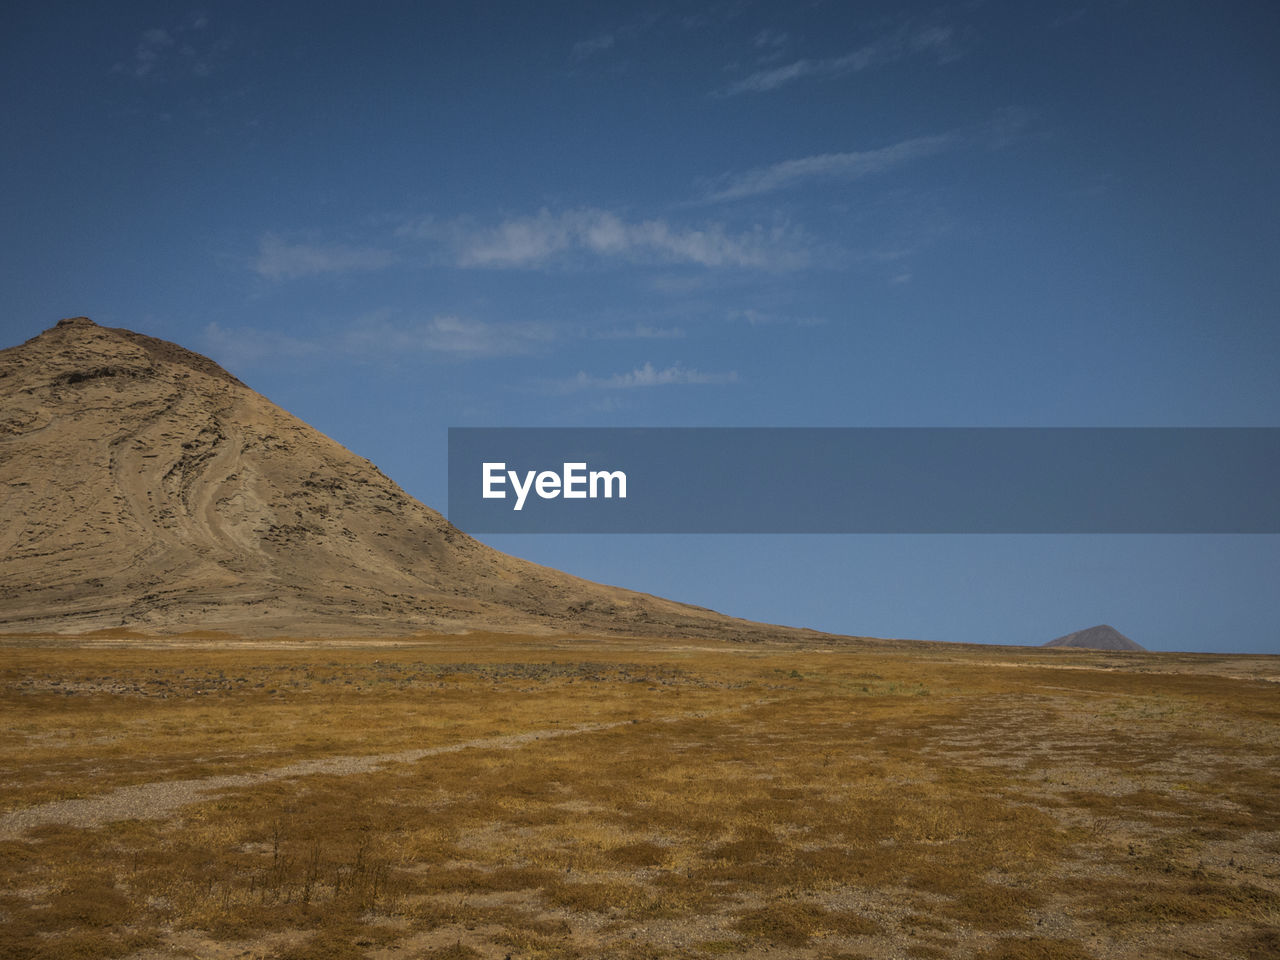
x,y
161,799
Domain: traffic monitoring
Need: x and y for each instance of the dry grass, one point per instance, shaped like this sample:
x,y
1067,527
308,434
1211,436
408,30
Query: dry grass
x,y
728,801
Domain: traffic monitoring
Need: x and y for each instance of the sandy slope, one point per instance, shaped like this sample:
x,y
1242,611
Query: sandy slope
x,y
146,487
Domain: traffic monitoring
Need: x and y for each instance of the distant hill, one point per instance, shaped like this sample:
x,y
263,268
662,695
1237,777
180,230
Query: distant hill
x,y
1101,637
145,487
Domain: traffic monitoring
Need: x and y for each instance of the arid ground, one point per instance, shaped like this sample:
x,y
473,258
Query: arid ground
x,y
495,796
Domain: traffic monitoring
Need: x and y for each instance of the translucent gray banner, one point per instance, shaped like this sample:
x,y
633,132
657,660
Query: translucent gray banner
x,y
865,480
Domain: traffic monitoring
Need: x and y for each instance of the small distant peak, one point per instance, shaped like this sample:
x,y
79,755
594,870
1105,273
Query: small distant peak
x,y
76,322
1102,637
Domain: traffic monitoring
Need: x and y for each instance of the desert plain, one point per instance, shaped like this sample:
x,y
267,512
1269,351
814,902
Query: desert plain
x,y
501,795
256,701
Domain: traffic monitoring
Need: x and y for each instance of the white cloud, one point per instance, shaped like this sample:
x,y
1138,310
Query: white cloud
x,y
517,242
827,166
645,376
641,331
774,77
447,334
150,47
936,40
1067,18
379,336
768,39
280,260
758,318
770,46
169,50
591,46
615,36
536,240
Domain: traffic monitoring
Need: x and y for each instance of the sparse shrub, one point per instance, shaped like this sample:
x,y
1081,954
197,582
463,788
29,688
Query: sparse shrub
x,y
641,854
787,924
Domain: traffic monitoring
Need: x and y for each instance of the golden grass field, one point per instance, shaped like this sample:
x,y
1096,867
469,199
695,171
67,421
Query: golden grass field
x,y
489,796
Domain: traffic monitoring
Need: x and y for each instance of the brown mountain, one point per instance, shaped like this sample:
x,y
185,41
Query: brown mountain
x,y
146,487
1101,637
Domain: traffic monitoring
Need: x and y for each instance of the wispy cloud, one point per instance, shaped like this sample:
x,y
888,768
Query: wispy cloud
x,y
826,166
380,336
174,49
774,77
546,238
150,47
1069,17
609,39
445,334
592,45
645,376
1008,126
641,331
936,41
769,39
758,318
280,260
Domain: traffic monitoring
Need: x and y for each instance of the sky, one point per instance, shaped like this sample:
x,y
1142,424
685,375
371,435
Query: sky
x,y
394,218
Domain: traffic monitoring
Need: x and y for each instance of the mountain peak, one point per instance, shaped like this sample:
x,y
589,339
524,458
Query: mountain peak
x,y
76,349
1101,637
147,487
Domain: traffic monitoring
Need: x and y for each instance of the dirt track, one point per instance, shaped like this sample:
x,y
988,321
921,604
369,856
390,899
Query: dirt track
x,y
161,799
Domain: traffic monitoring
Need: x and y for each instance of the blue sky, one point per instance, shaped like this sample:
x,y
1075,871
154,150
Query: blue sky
x,y
393,218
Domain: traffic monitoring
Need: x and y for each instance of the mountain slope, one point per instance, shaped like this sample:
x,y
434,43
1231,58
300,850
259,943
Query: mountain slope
x,y
1101,637
146,487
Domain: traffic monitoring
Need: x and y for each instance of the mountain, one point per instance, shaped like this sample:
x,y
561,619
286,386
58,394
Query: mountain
x,y
145,487
1101,637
